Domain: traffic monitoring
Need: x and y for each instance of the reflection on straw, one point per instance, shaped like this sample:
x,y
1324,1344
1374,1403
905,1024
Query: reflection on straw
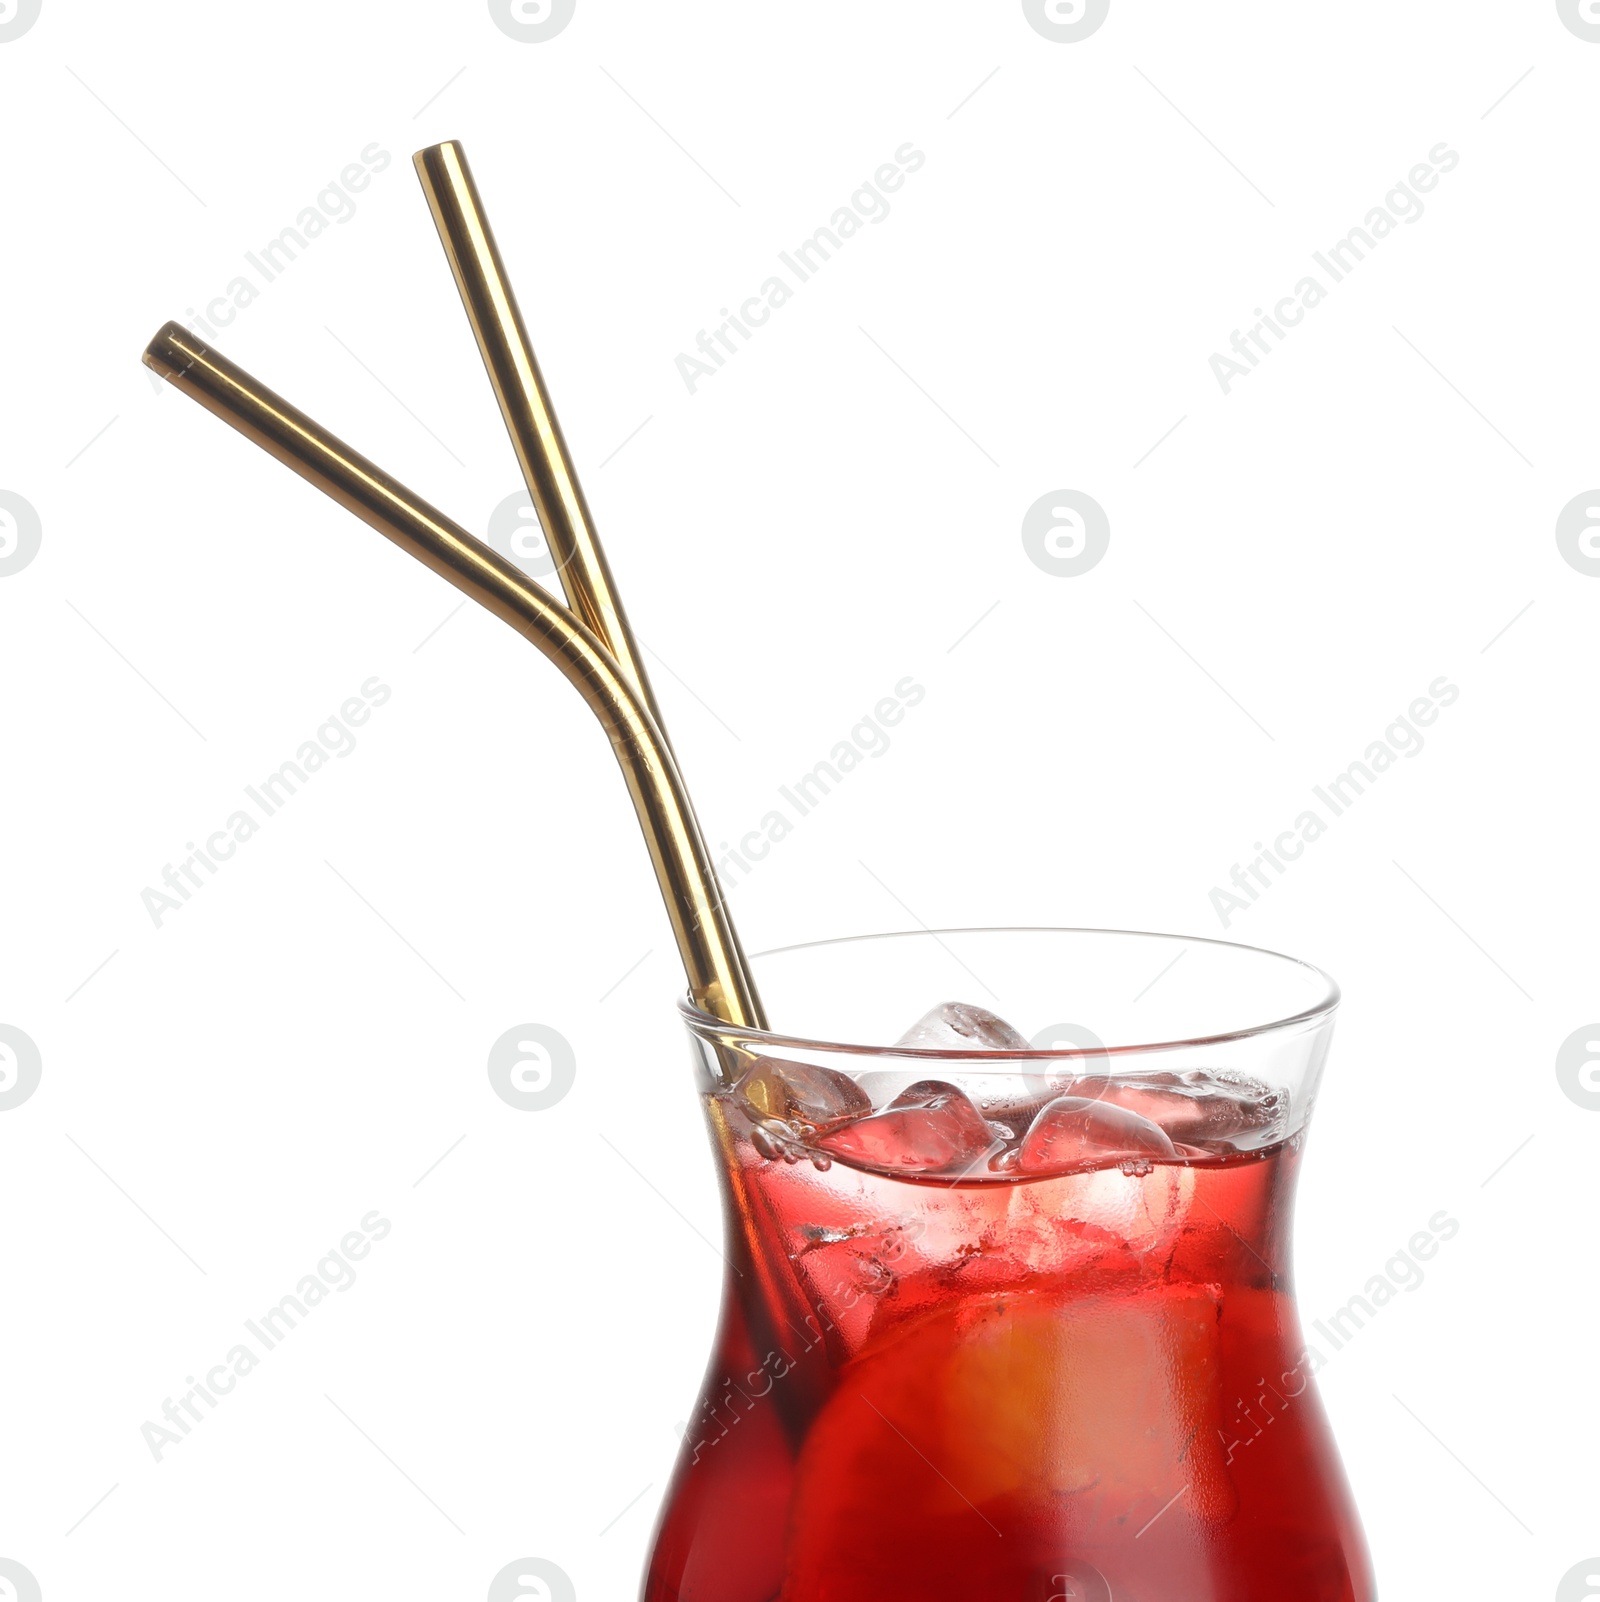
x,y
552,480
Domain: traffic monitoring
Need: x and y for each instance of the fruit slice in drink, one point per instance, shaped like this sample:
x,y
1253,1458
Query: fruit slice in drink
x,y
1004,1437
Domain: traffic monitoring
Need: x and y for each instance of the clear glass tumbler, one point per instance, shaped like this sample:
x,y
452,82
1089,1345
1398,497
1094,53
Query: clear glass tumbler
x,y
1013,1323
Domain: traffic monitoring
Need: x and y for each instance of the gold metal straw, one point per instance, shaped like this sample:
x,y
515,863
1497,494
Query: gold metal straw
x,y
491,308
718,977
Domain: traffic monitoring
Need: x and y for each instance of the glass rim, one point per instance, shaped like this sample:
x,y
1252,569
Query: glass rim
x,y
705,1024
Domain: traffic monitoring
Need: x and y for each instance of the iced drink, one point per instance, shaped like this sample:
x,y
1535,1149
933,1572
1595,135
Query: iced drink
x,y
1011,1338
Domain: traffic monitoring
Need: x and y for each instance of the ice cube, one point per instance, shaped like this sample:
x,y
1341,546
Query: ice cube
x,y
881,1086
928,1127
1074,1132
1199,1105
952,1103
1021,1098
797,1093
961,1026
932,1092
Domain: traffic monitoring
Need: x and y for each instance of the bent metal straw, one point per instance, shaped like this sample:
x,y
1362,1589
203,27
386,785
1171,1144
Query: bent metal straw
x,y
712,958
491,308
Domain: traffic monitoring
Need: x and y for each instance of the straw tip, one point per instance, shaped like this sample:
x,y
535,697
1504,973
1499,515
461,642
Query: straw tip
x,y
165,353
433,154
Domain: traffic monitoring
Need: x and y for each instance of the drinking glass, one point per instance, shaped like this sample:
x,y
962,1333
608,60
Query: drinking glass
x,y
1013,1324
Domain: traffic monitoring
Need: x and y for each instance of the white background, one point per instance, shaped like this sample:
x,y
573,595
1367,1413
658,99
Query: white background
x,y
224,1096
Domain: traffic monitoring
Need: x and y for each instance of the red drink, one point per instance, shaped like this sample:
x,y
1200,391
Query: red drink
x,y
988,1384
